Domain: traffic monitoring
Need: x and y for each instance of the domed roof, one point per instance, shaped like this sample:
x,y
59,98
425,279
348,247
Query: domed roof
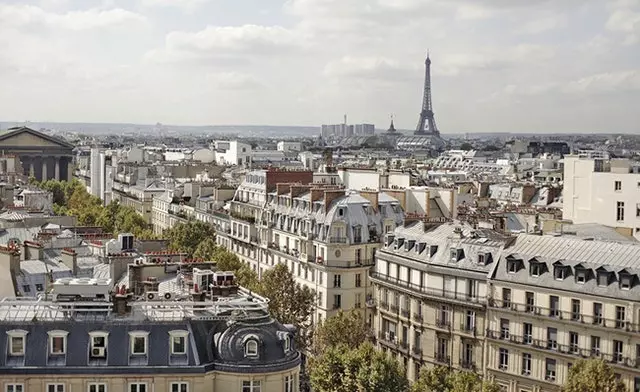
x,y
272,339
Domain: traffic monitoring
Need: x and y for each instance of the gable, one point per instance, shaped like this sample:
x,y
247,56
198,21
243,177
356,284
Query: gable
x,y
25,137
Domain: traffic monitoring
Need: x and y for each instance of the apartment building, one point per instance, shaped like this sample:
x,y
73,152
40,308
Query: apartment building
x,y
430,282
327,236
602,190
554,300
208,335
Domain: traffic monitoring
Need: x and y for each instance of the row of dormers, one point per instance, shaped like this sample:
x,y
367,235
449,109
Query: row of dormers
x,y
455,253
602,276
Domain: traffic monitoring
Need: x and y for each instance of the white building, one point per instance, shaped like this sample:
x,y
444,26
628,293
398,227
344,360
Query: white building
x,y
232,153
289,146
604,191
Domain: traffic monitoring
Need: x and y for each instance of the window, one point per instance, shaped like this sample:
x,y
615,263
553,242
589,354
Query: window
x,y
618,348
531,302
526,364
251,386
597,313
320,298
289,384
337,301
39,287
251,348
179,387
55,387
358,280
527,335
581,276
138,342
97,387
574,342
559,272
620,211
503,359
512,267
536,269
617,185
603,279
57,342
17,340
286,343
550,370
504,329
98,341
178,341
336,280
595,345
625,281
552,338
138,387
506,298
26,288
358,301
620,316
14,388
554,306
575,310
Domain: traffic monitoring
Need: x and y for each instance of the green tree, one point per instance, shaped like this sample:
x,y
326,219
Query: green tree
x,y
443,379
592,375
363,369
229,261
289,302
206,249
186,237
345,328
466,146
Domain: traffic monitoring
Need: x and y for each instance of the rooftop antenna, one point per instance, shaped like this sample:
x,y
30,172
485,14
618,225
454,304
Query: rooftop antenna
x,y
345,119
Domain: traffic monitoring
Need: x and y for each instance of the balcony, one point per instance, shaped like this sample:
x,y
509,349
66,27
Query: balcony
x,y
243,217
572,317
384,305
338,240
403,346
387,339
571,350
404,313
431,292
416,351
442,358
417,317
468,328
394,308
443,323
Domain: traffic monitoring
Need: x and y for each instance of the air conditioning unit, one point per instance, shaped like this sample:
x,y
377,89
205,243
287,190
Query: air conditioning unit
x,y
168,296
152,296
98,352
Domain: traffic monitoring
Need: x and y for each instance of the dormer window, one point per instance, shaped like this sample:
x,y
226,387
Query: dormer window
x,y
581,276
138,342
340,211
536,269
603,278
408,245
178,342
287,344
559,272
455,254
17,342
58,342
98,344
625,281
251,347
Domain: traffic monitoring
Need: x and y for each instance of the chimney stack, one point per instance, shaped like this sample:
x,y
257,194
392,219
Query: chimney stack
x,y
372,196
282,188
330,196
69,257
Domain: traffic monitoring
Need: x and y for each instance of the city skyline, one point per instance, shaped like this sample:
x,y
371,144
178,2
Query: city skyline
x,y
497,67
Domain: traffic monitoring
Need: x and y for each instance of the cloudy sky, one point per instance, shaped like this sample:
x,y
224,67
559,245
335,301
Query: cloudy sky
x,y
498,65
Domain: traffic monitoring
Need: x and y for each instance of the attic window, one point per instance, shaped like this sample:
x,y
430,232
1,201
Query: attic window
x,y
512,266
340,212
603,278
625,282
455,254
581,276
484,258
287,344
559,272
536,269
251,348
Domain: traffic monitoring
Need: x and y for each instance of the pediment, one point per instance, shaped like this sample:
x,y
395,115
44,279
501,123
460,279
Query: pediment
x,y
26,137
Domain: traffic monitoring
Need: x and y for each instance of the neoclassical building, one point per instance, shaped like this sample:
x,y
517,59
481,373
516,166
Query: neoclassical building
x,y
43,156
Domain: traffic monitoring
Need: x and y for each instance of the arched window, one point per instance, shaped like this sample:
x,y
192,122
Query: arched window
x,y
287,344
251,348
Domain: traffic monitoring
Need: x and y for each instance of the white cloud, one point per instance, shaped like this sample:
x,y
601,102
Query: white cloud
x,y
372,68
187,5
544,24
234,81
494,58
30,16
225,42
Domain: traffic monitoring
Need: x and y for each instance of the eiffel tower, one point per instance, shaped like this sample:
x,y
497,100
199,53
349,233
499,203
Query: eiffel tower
x,y
427,123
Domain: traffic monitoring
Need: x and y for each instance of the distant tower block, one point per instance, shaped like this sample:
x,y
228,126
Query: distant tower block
x,y
427,123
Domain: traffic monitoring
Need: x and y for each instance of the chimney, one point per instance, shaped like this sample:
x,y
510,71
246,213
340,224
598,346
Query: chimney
x,y
282,188
32,251
121,299
372,196
317,194
330,196
457,232
69,257
11,256
297,190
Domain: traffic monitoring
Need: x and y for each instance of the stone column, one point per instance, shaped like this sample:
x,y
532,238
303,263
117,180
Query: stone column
x,y
57,168
44,168
32,170
67,162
